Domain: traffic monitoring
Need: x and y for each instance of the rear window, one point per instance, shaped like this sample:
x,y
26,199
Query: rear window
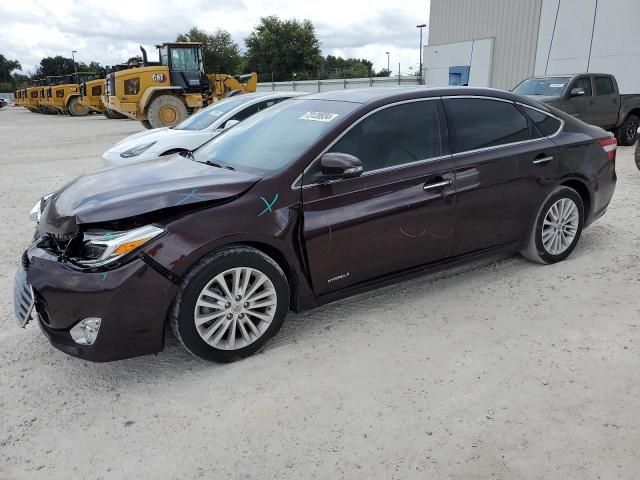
x,y
481,123
545,123
604,86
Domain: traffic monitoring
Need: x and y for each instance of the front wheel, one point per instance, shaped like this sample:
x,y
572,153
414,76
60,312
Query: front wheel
x,y
557,227
230,304
77,108
628,131
166,111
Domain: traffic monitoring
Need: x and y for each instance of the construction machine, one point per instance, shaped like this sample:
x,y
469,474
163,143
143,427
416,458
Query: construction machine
x,y
165,92
46,94
109,88
65,96
91,94
32,97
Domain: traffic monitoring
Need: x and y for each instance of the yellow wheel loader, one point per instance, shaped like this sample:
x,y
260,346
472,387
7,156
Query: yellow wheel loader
x,y
108,91
46,94
66,98
164,93
91,92
32,97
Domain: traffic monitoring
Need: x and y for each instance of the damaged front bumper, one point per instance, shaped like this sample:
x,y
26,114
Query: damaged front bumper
x,y
132,301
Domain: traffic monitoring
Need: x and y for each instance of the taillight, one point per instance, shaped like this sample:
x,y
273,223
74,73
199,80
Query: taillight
x,y
609,145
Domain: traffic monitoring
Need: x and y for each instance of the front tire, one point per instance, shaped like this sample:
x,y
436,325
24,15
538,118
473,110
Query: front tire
x,y
230,304
557,227
77,108
628,132
637,155
166,111
146,124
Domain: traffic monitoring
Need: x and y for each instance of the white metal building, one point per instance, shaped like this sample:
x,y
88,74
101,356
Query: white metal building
x,y
498,43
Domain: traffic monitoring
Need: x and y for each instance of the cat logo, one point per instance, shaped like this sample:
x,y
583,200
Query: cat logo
x,y
158,77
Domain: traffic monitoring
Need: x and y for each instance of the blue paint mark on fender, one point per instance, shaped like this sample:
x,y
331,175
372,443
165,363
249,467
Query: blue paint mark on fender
x,y
269,205
190,196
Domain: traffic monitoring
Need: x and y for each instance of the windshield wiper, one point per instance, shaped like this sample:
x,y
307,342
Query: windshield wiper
x,y
214,164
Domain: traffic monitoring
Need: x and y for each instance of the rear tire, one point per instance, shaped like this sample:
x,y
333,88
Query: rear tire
x,y
637,155
557,228
627,134
77,108
237,320
146,124
166,111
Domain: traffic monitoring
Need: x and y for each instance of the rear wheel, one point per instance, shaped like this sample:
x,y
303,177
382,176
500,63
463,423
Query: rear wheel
x,y
166,111
628,132
146,124
230,304
77,108
557,227
638,155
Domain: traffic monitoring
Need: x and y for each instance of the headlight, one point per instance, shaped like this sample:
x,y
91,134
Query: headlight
x,y
135,151
102,247
38,208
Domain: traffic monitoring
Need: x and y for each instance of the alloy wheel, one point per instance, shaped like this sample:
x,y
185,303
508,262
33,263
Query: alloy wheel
x,y
235,308
560,226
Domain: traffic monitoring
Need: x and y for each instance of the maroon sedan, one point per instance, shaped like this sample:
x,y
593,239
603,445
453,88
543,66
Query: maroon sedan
x,y
314,199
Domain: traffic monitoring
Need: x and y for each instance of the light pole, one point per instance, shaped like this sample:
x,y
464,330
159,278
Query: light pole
x,y
421,27
75,68
388,64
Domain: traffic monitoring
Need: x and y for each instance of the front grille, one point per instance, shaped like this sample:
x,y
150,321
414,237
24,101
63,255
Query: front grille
x,y
22,298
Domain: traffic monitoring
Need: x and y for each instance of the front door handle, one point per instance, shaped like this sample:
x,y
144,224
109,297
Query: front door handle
x,y
436,185
544,159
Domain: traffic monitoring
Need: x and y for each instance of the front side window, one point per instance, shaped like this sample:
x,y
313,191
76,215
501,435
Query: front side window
x,y
394,136
584,83
481,123
604,86
184,59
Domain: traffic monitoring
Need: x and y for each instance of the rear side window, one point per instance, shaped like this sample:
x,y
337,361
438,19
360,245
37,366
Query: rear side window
x,y
604,86
480,123
395,136
545,123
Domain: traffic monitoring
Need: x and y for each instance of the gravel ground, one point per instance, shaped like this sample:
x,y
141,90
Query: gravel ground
x,y
499,369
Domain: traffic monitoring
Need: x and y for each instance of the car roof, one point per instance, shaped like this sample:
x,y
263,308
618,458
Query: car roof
x,y
392,94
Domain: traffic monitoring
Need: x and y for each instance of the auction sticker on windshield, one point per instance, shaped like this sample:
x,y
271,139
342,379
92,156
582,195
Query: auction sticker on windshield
x,y
319,116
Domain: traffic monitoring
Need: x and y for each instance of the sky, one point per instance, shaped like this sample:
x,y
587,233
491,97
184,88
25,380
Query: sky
x,y
111,31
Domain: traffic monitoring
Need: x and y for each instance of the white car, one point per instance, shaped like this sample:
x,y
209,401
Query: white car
x,y
193,132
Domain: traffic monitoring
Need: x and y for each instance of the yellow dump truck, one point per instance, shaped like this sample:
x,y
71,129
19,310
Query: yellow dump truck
x,y
164,93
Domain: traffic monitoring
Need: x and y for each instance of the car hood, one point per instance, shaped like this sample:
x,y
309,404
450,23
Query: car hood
x,y
163,136
123,192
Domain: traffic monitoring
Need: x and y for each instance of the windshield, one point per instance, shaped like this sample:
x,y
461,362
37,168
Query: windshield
x,y
213,113
552,87
273,138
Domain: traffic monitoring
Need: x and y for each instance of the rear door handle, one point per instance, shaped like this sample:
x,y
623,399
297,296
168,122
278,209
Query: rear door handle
x,y
436,185
545,159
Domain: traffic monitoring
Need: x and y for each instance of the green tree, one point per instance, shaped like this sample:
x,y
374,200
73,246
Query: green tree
x,y
382,73
338,67
221,53
57,65
7,83
282,48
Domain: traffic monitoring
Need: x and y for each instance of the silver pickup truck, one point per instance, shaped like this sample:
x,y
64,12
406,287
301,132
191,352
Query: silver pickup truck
x,y
592,97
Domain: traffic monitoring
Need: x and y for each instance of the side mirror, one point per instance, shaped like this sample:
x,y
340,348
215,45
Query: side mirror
x,y
577,92
231,123
340,165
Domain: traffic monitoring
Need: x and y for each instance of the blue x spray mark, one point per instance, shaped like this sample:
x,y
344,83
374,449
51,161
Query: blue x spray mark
x,y
190,196
269,205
